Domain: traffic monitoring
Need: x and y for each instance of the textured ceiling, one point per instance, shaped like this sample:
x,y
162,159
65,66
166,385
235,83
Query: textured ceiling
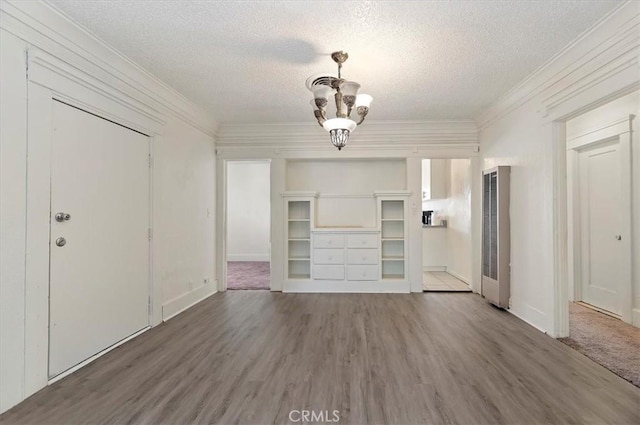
x,y
247,61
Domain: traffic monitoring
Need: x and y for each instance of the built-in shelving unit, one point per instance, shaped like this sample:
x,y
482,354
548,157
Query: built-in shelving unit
x,y
392,226
298,239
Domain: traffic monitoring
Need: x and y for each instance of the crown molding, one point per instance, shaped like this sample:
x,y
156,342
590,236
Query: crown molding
x,y
41,25
609,51
371,135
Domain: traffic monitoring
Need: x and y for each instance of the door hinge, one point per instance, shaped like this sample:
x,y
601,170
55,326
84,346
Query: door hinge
x,y
150,233
150,161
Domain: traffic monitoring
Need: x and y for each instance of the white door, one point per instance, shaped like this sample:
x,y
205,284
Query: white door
x,y
99,282
601,219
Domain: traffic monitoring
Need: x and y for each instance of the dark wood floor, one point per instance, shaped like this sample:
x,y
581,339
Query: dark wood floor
x,y
252,357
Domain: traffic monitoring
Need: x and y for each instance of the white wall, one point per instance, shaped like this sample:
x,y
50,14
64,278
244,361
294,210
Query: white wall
x,y
183,177
184,208
346,187
347,176
13,171
459,220
595,120
248,211
520,140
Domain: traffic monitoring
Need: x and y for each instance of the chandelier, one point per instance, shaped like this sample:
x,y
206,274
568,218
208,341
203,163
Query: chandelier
x,y
346,97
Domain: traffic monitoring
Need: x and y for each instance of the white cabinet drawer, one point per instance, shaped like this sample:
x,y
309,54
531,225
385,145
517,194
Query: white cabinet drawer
x,y
362,256
328,273
366,240
328,256
328,241
362,273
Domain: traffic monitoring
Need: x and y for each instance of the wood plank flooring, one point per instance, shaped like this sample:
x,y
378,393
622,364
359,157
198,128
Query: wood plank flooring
x,y
251,357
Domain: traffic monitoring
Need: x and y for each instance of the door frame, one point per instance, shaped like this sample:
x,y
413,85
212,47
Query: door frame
x,y
50,79
620,131
222,190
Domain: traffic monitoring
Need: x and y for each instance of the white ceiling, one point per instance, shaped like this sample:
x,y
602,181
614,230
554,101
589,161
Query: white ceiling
x,y
247,61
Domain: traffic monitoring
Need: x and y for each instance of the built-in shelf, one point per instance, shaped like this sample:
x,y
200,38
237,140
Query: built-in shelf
x,y
299,238
392,229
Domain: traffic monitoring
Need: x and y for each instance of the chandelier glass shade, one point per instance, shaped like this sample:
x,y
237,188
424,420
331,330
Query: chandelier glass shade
x,y
345,94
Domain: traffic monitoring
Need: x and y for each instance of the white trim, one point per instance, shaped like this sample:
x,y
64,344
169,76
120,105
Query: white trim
x,y
179,304
326,150
560,326
96,356
341,286
458,276
635,314
43,26
373,134
529,322
434,269
249,257
607,50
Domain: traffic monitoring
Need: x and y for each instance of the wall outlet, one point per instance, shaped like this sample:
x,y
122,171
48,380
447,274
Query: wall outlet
x,y
206,280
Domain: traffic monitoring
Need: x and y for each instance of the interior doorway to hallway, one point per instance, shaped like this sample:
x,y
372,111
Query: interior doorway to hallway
x,y
248,225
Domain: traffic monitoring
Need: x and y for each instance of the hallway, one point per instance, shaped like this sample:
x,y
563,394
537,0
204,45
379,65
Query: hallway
x,y
254,356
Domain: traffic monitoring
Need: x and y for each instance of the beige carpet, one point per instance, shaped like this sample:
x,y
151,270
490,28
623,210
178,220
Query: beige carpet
x,y
607,341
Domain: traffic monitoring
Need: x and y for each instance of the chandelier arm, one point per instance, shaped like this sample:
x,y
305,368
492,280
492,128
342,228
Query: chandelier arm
x,y
320,116
362,112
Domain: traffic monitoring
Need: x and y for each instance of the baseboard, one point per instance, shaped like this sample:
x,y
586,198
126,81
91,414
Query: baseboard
x,y
179,304
341,286
515,311
248,257
635,317
434,268
458,276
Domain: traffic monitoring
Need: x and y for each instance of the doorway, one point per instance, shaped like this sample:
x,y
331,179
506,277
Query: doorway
x,y
99,288
446,225
248,215
601,165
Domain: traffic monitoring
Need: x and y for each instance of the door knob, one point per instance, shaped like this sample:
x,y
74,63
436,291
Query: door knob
x,y
61,241
618,237
62,216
